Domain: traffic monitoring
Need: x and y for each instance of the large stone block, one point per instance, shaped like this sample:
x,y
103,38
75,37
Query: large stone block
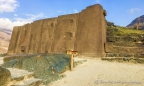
x,y
64,37
14,40
91,32
47,35
23,39
36,28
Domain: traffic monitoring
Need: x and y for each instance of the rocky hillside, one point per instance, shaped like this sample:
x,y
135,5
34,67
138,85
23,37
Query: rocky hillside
x,y
5,36
138,21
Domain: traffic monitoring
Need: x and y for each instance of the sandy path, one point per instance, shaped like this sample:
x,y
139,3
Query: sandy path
x,y
95,72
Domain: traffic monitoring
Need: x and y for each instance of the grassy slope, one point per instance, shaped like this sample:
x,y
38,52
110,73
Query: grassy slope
x,y
124,31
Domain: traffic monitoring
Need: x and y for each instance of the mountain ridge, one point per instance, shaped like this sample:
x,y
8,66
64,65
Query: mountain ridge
x,y
137,21
5,35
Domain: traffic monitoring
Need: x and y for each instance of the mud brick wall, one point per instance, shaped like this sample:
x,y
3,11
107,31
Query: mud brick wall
x,y
84,32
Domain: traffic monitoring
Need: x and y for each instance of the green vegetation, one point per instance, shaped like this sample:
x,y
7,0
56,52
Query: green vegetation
x,y
2,55
124,31
46,67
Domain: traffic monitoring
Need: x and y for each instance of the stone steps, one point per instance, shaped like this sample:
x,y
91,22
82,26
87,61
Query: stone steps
x,y
124,49
137,55
124,59
23,78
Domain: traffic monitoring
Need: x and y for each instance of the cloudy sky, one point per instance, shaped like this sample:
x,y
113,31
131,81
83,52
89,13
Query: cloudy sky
x,y
19,12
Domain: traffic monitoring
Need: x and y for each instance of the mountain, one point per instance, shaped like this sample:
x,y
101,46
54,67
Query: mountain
x,y
5,35
138,21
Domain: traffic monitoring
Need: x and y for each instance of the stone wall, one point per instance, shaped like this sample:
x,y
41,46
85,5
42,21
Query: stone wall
x,y
65,33
129,45
91,32
84,32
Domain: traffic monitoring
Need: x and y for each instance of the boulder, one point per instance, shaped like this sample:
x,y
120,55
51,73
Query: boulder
x,y
4,76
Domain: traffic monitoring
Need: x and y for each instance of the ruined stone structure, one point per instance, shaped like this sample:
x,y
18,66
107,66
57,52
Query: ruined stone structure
x,y
84,32
124,45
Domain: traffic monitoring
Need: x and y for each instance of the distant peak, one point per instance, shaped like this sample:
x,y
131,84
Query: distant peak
x,y
139,21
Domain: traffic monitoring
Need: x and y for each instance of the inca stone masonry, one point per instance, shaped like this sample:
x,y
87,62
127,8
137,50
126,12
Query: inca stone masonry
x,y
84,32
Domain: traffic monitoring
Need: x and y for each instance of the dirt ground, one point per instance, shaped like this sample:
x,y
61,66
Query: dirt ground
x,y
95,72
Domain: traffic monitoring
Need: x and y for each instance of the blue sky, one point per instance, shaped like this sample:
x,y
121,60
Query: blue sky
x,y
20,12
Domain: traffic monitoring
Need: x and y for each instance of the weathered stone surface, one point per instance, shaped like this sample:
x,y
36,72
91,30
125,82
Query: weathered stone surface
x,y
84,32
65,33
109,47
109,55
35,36
130,50
91,32
47,35
4,76
14,39
23,40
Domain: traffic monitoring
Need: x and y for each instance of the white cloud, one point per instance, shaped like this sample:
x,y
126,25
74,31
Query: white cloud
x,y
33,17
8,5
133,10
59,11
98,1
15,15
75,11
9,24
5,23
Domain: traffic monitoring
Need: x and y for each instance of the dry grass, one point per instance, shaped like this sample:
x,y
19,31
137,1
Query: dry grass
x,y
129,31
124,31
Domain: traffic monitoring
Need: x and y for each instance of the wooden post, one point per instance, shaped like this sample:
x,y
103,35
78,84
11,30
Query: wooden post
x,y
72,63
72,53
136,26
38,56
